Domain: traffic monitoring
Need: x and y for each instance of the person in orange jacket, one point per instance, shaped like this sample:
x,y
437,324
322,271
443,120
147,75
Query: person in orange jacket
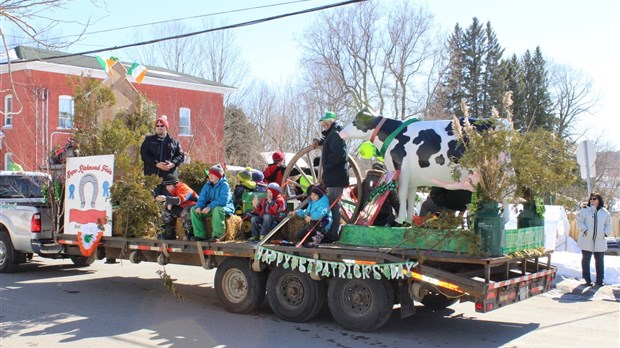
x,y
178,205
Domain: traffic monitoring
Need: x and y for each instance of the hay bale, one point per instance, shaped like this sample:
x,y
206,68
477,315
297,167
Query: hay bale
x,y
233,228
290,228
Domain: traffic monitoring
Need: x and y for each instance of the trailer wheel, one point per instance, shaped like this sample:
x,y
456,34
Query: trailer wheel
x,y
83,261
360,304
238,288
135,256
436,301
294,296
8,255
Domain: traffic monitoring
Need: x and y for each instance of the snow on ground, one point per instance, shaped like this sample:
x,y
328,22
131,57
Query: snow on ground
x,y
569,264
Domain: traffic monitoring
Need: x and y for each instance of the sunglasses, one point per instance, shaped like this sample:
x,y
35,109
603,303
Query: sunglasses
x,y
159,125
594,199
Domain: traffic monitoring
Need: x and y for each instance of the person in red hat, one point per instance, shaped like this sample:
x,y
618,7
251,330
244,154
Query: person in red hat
x,y
267,212
215,201
161,153
275,171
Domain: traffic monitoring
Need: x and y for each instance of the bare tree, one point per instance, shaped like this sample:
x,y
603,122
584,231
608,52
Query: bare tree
x,y
178,55
363,55
32,20
573,98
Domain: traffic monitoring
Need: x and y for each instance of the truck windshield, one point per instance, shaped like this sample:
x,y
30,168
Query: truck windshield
x,y
21,186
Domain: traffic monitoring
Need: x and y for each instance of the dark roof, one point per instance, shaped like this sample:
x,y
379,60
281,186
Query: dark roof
x,y
90,62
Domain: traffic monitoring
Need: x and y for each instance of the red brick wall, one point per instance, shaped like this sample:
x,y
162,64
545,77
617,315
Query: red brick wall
x,y
30,142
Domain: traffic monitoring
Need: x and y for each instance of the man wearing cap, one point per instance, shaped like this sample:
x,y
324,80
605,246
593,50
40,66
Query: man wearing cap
x,y
161,153
335,166
215,201
177,204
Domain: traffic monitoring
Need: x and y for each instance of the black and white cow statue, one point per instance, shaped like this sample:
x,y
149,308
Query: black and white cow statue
x,y
421,150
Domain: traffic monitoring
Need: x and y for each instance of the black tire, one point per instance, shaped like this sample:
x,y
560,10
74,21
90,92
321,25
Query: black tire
x,y
9,257
437,301
294,296
238,288
360,304
83,261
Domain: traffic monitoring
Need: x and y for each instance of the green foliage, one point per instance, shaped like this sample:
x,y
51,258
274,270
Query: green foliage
x,y
485,155
242,143
463,239
544,164
193,174
136,214
169,283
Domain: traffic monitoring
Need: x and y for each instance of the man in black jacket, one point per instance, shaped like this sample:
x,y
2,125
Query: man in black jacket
x,y
335,177
161,153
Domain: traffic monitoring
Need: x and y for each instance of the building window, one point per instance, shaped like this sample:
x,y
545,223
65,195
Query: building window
x,y
8,111
185,121
65,111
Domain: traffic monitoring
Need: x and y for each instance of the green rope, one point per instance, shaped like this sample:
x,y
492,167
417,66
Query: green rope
x,y
394,134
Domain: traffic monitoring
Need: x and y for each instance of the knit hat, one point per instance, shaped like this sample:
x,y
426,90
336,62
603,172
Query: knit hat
x,y
379,166
245,178
162,119
216,170
329,116
274,188
258,176
277,156
171,179
318,190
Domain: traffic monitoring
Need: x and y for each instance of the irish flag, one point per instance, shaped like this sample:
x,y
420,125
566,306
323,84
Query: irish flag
x,y
137,71
106,64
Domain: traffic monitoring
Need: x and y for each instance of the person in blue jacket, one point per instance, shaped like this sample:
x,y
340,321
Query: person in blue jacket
x,y
317,215
215,201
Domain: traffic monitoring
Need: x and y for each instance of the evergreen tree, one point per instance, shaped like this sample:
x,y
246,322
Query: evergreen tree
x,y
242,144
473,71
451,89
536,99
492,80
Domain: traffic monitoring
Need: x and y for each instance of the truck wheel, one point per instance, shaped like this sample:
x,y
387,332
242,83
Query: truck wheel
x,y
436,301
82,261
238,288
162,260
8,255
360,304
294,296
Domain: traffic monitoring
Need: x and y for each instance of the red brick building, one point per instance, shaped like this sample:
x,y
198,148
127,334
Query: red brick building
x,y
37,106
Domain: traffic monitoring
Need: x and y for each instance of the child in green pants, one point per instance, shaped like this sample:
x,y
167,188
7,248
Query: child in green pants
x,y
215,201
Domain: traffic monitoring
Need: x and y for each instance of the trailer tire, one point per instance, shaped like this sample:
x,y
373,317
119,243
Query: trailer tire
x,y
83,261
437,301
294,296
360,304
238,288
9,257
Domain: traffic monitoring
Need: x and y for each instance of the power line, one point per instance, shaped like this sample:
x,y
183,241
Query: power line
x,y
173,20
232,26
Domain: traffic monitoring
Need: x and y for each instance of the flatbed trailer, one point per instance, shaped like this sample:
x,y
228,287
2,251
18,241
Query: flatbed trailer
x,y
361,285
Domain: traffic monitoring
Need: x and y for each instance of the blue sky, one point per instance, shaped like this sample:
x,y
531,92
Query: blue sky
x,y
582,34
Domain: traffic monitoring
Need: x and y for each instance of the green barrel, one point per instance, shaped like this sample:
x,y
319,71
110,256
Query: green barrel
x,y
489,225
528,217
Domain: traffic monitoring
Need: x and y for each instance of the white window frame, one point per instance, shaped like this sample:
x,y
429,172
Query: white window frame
x,y
8,111
185,121
8,157
65,122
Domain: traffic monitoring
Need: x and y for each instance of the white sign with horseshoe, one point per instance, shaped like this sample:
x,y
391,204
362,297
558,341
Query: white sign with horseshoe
x,y
88,208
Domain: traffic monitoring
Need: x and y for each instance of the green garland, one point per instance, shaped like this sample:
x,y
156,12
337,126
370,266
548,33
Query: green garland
x,y
381,189
398,270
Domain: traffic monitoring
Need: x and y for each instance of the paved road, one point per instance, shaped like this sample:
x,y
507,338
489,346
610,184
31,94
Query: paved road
x,y
52,304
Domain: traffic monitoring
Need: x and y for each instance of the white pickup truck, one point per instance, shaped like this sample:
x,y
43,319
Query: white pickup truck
x,y
26,226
